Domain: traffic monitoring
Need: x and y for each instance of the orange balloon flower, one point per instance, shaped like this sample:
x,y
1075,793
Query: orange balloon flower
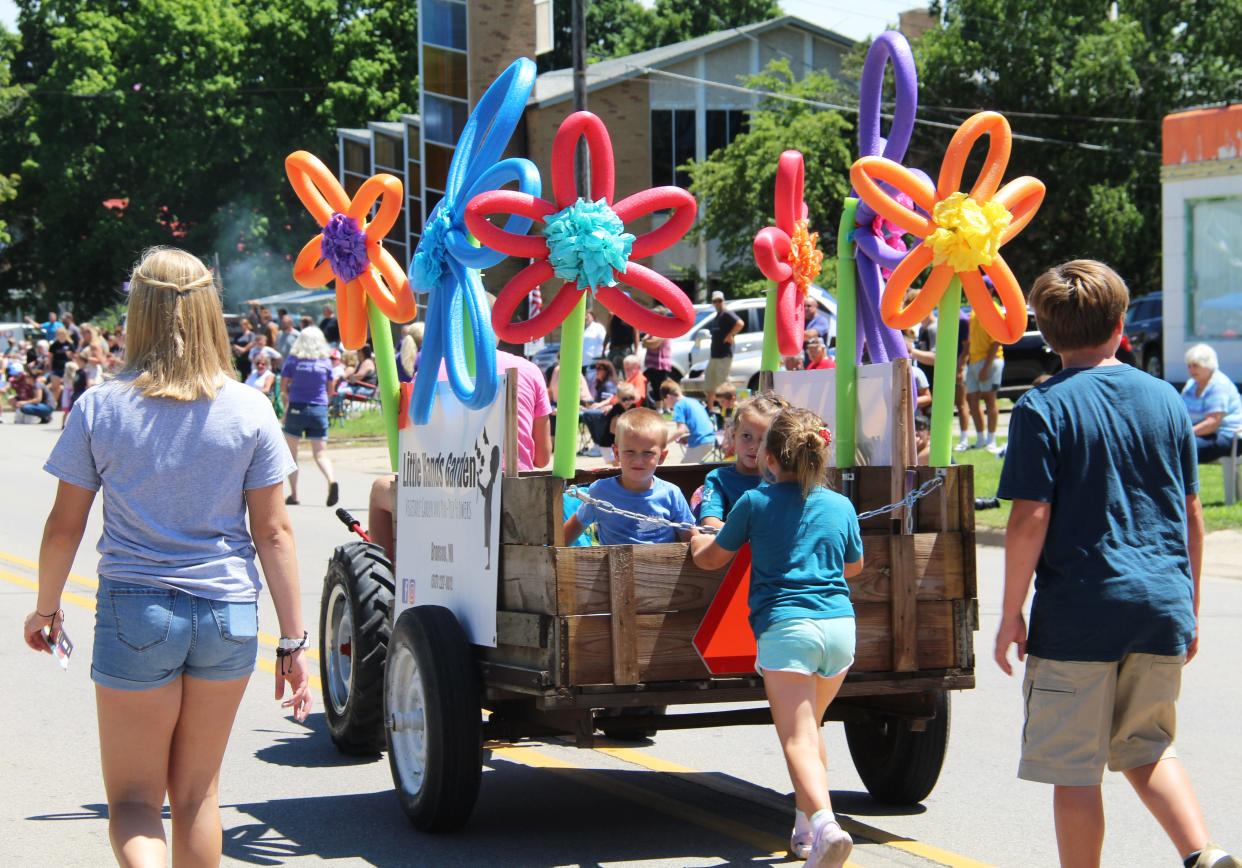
x,y
350,248
964,232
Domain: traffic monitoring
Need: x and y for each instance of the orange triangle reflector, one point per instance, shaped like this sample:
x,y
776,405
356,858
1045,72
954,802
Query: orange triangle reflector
x,y
724,640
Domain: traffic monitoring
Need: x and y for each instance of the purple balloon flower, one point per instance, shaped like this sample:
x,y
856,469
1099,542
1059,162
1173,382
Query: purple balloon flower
x,y
345,247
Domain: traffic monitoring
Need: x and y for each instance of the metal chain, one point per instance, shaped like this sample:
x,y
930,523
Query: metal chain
x,y
908,501
604,506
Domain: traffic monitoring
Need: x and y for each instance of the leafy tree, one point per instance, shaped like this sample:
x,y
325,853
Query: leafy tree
x,y
11,109
1067,73
737,183
608,26
179,113
678,20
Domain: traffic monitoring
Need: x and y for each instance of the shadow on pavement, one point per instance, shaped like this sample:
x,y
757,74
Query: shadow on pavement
x,y
525,817
310,749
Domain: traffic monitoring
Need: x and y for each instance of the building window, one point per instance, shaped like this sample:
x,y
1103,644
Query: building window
x,y
444,23
1214,268
357,158
443,118
444,72
673,140
388,154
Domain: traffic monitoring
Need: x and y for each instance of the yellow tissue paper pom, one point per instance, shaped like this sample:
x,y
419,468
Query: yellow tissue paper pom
x,y
968,233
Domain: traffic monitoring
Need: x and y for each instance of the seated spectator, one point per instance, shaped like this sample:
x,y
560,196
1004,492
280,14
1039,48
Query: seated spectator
x,y
22,385
817,354
791,363
363,381
259,347
634,376
1213,403
627,399
603,389
642,444
40,403
554,387
690,420
261,376
922,391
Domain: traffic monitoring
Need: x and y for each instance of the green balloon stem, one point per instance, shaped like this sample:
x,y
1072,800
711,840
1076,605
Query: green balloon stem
x,y
565,449
468,338
944,382
771,358
386,374
847,339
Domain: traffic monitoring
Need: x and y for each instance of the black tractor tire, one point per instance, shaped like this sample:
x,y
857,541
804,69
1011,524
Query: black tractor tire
x,y
897,765
355,622
612,722
433,719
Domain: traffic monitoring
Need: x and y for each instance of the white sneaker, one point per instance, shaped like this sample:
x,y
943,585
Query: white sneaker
x,y
831,848
996,448
962,446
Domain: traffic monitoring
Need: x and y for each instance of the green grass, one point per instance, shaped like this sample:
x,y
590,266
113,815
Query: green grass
x,y
987,466
365,423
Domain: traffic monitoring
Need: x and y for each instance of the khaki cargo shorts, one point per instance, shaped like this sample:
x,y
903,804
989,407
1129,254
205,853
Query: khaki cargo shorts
x,y
1083,716
717,373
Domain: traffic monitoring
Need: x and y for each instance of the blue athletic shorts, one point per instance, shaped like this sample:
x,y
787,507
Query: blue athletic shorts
x,y
310,420
147,637
812,646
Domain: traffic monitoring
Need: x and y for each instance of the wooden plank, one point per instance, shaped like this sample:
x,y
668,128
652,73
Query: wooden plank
x,y
665,652
904,604
942,510
624,617
900,433
523,629
574,581
966,511
511,432
528,579
526,516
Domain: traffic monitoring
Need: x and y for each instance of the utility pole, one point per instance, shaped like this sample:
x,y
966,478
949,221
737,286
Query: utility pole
x,y
578,25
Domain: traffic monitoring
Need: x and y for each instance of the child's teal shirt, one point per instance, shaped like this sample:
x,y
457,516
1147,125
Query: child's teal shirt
x,y
799,549
722,488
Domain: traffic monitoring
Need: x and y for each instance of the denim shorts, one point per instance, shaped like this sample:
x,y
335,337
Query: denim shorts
x,y
991,383
811,646
310,420
147,637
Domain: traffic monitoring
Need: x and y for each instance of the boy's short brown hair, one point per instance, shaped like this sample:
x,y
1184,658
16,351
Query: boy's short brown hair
x,y
670,387
726,390
641,420
1077,304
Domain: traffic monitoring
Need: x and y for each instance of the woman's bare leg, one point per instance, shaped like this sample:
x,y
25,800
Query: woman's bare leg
x,y
794,698
208,709
135,734
293,477
319,450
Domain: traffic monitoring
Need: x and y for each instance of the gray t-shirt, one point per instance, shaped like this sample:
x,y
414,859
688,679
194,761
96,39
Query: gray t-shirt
x,y
174,475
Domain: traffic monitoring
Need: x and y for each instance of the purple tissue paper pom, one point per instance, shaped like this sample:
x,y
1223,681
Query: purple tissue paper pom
x,y
345,247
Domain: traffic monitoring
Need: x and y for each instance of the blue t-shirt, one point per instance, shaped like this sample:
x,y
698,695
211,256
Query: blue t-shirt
x,y
174,475
662,499
1110,448
722,488
1220,396
798,549
693,415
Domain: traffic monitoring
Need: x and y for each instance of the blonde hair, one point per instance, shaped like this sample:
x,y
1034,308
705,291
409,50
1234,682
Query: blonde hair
x,y
310,344
670,387
763,405
176,343
626,390
726,390
641,420
798,440
410,344
1078,304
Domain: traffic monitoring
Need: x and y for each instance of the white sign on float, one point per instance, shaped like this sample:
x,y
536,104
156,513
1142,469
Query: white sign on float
x,y
817,391
448,513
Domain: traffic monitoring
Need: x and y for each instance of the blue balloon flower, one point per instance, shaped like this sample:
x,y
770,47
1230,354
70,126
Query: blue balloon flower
x,y
446,262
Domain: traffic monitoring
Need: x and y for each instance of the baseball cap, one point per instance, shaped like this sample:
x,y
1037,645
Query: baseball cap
x,y
718,296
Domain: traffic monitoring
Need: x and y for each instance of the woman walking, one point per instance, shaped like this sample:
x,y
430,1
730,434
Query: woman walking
x,y
307,383
183,452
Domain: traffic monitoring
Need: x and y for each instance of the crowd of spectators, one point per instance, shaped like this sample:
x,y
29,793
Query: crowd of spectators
x,y
54,364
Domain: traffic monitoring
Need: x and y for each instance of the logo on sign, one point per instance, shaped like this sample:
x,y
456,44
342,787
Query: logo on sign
x,y
407,592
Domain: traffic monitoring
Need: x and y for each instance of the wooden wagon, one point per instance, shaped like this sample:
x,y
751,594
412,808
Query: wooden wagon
x,y
600,639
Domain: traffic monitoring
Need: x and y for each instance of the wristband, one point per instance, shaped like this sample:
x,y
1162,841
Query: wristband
x,y
287,646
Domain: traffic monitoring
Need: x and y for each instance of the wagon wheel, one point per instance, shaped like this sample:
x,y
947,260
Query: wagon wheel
x,y
899,766
612,723
354,627
433,719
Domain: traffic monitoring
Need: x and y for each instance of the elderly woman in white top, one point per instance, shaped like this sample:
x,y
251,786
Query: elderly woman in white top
x,y
1213,402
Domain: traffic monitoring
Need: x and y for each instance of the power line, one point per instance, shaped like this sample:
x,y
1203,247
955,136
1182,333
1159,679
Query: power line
x,y
1089,146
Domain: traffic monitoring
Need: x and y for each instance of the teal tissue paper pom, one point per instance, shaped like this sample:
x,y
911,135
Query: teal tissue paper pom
x,y
586,242
432,251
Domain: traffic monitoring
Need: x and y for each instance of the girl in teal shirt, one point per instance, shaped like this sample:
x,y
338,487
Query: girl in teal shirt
x,y
805,543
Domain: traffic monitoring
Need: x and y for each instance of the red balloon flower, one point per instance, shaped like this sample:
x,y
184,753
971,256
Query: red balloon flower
x,y
618,246
788,255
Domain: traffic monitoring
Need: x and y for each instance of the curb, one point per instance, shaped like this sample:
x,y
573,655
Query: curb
x,y
989,536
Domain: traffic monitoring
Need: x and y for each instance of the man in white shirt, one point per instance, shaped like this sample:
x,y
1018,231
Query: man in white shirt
x,y
593,337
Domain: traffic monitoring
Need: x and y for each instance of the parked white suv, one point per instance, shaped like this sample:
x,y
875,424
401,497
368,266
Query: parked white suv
x,y
692,350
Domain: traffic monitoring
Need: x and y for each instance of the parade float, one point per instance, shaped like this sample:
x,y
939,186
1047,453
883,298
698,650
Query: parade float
x,y
489,627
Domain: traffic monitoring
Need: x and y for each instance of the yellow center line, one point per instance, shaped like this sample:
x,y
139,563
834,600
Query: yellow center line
x,y
265,639
89,604
871,833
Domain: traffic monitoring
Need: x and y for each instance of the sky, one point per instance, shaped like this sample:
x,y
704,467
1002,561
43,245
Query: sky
x,y
853,18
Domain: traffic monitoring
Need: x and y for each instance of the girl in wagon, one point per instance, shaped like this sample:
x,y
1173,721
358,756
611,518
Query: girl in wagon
x,y
805,543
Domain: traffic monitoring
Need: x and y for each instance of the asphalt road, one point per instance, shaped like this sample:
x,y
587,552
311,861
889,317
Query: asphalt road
x,y
705,797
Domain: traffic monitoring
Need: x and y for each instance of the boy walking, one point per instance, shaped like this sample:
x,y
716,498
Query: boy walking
x,y
1102,473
